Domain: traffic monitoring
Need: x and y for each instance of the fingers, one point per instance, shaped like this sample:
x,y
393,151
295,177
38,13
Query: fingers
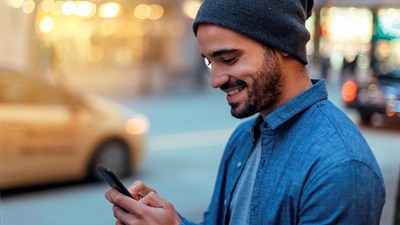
x,y
123,217
122,201
139,189
150,197
154,200
151,209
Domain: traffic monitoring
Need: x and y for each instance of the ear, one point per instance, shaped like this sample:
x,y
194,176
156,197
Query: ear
x,y
287,59
285,54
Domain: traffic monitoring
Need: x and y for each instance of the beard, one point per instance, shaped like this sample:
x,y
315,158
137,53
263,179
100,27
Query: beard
x,y
264,91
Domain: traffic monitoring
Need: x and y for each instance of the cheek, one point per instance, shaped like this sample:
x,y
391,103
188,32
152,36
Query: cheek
x,y
246,73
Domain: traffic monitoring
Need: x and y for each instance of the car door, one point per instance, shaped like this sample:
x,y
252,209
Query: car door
x,y
38,132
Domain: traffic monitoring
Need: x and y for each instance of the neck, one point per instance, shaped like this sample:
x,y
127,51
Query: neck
x,y
295,80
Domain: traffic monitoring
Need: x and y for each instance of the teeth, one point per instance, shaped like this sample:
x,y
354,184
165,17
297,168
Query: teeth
x,y
234,91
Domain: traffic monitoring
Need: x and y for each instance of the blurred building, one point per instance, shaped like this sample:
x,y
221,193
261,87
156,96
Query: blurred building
x,y
140,46
360,33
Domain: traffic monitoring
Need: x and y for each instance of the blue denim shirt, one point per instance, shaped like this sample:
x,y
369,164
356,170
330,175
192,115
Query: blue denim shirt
x,y
315,167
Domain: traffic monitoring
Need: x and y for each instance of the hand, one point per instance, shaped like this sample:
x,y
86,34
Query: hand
x,y
151,209
138,190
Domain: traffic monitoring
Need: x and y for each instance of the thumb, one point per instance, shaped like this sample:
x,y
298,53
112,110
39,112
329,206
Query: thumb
x,y
139,189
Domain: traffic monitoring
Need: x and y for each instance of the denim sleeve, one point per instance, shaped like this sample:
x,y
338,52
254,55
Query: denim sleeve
x,y
348,193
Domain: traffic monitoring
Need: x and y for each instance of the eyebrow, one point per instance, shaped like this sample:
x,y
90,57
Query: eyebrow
x,y
221,52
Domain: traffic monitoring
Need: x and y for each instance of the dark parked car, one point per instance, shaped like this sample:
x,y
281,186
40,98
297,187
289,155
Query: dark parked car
x,y
380,95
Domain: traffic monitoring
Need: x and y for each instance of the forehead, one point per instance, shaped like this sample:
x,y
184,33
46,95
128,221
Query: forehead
x,y
212,38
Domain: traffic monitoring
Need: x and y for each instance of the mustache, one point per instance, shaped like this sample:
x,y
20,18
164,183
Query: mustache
x,y
232,84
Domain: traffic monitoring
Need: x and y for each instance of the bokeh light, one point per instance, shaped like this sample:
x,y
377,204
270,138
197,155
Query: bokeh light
x,y
85,9
109,10
157,12
142,11
191,7
28,6
47,5
46,24
68,8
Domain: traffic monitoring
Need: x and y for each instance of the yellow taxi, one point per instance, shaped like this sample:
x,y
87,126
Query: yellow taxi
x,y
51,134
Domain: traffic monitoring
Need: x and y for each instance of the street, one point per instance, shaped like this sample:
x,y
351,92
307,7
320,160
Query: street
x,y
186,139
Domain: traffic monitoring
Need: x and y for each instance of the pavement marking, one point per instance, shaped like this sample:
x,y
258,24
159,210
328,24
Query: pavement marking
x,y
190,139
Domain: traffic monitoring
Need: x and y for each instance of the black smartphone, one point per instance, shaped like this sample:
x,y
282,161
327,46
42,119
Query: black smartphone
x,y
112,179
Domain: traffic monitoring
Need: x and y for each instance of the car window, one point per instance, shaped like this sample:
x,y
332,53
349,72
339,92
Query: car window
x,y
21,90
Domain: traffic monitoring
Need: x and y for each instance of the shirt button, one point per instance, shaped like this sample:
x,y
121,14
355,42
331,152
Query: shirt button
x,y
239,164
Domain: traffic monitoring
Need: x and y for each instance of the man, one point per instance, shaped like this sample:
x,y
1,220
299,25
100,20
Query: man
x,y
301,161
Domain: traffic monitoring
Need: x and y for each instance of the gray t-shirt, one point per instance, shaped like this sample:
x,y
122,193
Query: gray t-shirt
x,y
239,207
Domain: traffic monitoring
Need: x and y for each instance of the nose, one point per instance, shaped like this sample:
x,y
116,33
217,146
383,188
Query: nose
x,y
218,78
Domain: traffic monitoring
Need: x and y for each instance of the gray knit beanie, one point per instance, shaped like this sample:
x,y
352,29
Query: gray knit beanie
x,y
275,23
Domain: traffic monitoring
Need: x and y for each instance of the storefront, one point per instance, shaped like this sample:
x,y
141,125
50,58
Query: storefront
x,y
364,33
79,38
150,43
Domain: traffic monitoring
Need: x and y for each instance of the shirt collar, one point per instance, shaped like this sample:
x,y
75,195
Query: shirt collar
x,y
314,94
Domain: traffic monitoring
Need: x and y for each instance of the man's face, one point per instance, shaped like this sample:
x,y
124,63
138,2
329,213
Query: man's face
x,y
249,73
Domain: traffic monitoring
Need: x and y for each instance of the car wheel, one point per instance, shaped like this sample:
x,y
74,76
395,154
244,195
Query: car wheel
x,y
366,117
114,154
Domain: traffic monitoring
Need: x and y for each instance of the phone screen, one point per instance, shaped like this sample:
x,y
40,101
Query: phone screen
x,y
112,179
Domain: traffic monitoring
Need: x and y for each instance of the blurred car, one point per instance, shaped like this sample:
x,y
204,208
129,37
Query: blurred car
x,y
51,134
379,95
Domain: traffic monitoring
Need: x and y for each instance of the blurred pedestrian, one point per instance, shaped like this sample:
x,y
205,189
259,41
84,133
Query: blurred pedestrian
x,y
349,68
325,63
301,160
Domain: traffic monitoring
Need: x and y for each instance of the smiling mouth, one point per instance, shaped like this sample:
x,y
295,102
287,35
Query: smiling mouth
x,y
233,87
234,91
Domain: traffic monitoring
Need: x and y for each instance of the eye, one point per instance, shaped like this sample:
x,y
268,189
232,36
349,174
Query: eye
x,y
230,60
208,63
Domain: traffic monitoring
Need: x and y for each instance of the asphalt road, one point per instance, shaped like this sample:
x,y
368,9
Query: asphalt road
x,y
186,140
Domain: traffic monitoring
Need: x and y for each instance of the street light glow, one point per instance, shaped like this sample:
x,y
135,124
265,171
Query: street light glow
x,y
344,21
85,9
68,8
46,24
109,10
